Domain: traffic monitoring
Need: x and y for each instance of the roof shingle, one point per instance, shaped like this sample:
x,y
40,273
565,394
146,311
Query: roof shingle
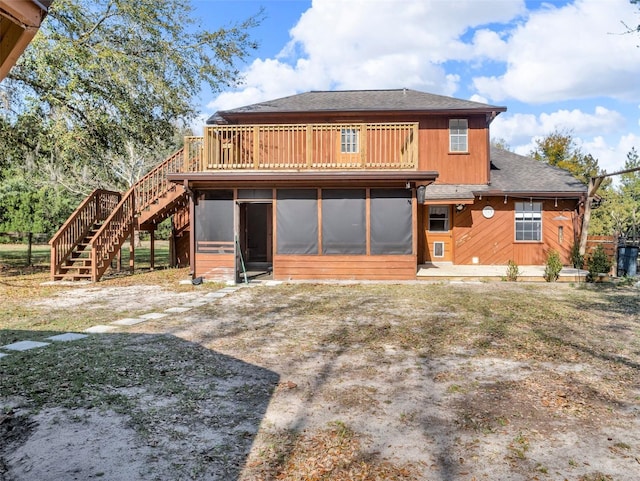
x,y
358,101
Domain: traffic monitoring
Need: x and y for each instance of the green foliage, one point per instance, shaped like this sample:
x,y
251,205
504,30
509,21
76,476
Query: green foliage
x,y
577,259
553,266
513,271
500,143
598,263
560,150
101,73
30,209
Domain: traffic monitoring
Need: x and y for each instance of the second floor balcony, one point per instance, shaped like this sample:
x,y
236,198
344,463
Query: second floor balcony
x,y
298,147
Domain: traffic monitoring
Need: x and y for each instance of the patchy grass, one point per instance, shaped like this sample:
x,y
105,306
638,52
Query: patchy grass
x,y
13,258
21,295
379,381
333,453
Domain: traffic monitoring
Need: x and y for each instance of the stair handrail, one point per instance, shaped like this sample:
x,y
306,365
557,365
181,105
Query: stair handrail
x,y
94,208
154,184
109,238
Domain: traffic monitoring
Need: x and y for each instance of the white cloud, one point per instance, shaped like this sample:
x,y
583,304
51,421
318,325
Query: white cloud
x,y
379,44
571,52
597,133
519,128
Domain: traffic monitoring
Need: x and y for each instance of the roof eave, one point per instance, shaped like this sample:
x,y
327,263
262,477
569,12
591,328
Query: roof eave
x,y
232,116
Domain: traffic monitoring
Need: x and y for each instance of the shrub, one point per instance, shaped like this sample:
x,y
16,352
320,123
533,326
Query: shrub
x,y
553,267
513,271
577,260
598,263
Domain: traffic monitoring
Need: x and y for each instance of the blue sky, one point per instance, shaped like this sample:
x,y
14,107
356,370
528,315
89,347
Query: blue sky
x,y
560,64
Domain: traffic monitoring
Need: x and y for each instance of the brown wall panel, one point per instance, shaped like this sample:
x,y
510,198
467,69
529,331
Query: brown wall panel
x,y
492,241
454,168
215,266
344,267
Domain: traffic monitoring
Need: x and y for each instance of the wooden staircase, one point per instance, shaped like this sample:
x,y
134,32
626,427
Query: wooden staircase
x,y
86,244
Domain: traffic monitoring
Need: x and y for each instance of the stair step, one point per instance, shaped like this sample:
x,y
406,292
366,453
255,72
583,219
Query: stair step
x,y
78,262
72,277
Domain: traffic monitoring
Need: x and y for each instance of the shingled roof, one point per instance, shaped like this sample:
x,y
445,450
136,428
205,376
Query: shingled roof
x,y
513,173
359,101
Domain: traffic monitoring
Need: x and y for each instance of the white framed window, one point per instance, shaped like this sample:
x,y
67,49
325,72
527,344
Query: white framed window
x,y
349,140
438,218
458,135
529,221
438,249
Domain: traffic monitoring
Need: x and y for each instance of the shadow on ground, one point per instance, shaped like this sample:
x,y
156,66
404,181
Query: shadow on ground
x,y
127,406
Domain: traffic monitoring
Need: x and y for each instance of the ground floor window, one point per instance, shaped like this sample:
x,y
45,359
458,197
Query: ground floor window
x,y
344,221
528,221
391,222
341,217
297,221
438,218
214,229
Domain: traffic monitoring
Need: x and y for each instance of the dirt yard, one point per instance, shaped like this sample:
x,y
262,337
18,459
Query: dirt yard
x,y
443,382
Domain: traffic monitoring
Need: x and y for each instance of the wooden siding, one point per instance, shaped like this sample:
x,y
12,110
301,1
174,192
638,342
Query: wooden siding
x,y
220,267
454,168
492,241
340,267
433,237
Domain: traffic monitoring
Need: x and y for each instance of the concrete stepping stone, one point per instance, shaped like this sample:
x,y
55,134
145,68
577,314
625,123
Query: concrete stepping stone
x,y
24,345
100,329
195,303
67,336
153,315
129,321
177,309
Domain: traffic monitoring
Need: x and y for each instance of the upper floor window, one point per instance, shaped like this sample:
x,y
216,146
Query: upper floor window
x,y
349,141
529,221
458,135
438,218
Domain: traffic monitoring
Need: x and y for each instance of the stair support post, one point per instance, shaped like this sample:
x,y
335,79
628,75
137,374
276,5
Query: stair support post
x,y
152,248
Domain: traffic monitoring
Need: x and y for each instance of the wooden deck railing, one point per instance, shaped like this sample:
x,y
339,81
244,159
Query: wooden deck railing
x,y
94,208
116,228
305,146
155,184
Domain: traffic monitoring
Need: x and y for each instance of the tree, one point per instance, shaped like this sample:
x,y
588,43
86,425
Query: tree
x,y
631,28
27,209
625,210
559,149
102,74
500,143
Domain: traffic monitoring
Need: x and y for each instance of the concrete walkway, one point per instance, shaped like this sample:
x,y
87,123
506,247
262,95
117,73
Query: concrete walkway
x,y
447,271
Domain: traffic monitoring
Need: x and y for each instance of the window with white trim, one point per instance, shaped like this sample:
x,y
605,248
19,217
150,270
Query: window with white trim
x,y
529,221
349,141
438,218
458,135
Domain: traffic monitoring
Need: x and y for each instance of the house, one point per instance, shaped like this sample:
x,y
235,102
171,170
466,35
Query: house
x,y
369,185
19,22
337,185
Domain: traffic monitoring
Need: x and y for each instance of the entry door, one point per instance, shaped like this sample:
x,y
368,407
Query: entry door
x,y
438,233
256,229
